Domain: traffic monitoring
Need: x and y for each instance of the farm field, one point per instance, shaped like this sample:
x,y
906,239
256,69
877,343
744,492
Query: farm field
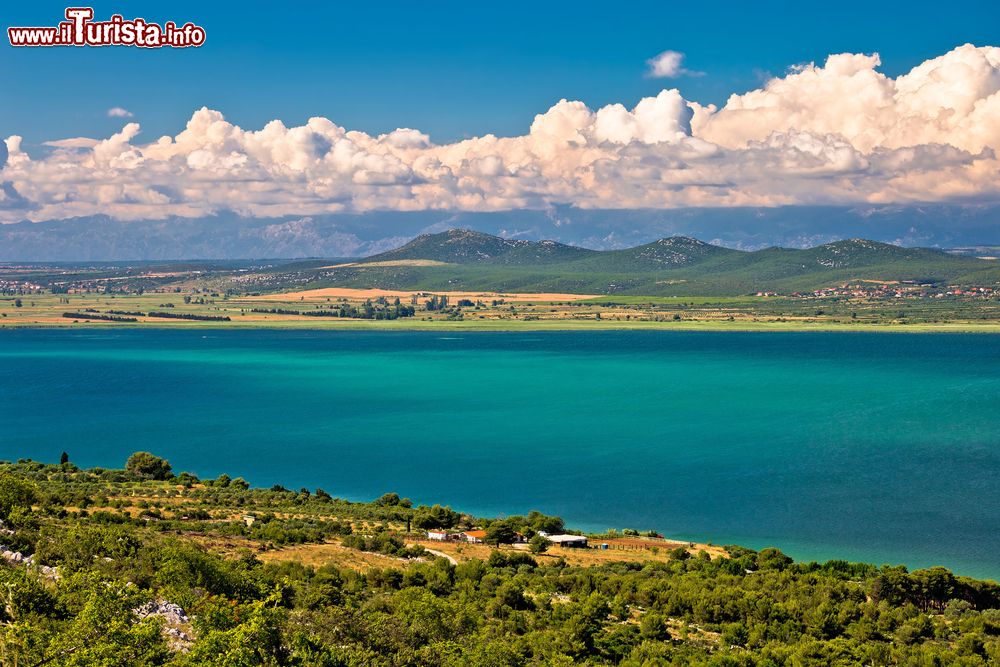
x,y
464,280
502,312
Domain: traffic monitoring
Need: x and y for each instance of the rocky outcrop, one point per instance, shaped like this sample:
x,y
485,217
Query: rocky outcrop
x,y
176,623
18,558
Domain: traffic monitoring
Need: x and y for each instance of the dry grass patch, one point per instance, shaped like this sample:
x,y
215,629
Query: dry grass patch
x,y
331,553
641,551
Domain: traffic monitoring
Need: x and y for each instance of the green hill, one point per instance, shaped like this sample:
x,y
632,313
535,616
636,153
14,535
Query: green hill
x,y
464,246
541,252
661,255
675,266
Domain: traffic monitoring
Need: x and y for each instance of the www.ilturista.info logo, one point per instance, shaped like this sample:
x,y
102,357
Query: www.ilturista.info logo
x,y
79,29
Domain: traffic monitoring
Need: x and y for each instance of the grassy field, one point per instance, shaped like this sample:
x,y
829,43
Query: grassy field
x,y
519,295
333,553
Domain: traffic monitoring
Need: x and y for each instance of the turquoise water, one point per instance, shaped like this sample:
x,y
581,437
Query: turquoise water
x,y
876,447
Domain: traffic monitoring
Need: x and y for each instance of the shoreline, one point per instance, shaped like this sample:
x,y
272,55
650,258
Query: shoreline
x,y
535,326
600,532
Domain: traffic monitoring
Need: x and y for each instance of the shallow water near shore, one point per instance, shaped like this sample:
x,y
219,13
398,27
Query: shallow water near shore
x,y
874,447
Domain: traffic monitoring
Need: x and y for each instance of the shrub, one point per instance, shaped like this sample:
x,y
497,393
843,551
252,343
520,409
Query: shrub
x,y
539,544
15,492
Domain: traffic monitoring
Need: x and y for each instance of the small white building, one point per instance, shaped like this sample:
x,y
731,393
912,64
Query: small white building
x,y
439,535
573,541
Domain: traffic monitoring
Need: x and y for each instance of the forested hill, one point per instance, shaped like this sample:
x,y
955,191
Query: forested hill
x,y
464,259
140,566
464,246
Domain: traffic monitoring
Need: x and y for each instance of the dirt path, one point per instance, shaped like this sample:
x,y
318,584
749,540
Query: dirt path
x,y
439,554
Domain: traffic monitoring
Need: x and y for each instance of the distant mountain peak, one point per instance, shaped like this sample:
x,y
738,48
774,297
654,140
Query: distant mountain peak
x,y
454,246
681,242
673,251
857,243
859,252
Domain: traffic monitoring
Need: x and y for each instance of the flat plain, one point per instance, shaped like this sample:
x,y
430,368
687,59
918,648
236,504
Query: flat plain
x,y
500,312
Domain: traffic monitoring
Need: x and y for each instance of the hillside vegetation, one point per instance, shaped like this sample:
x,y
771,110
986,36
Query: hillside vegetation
x,y
676,266
140,567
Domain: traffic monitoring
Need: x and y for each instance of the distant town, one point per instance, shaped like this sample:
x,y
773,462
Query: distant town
x,y
894,290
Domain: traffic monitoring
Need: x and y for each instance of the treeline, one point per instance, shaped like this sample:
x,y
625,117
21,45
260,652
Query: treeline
x,y
436,302
366,311
191,316
130,316
99,316
275,311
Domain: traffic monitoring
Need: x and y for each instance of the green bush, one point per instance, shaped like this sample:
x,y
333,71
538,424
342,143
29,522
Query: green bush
x,y
147,466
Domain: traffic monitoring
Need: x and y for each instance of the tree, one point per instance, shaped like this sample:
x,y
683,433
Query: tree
x,y
64,458
147,466
15,492
499,533
772,559
436,517
679,553
539,544
539,521
735,634
932,587
105,631
187,479
654,626
388,500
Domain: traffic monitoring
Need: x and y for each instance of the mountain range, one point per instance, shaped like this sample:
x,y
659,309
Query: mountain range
x,y
677,265
227,235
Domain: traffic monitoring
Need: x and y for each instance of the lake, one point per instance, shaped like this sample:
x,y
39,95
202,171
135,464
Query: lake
x,y
876,447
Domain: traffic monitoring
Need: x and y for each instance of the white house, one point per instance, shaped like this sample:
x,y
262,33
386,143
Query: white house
x,y
567,540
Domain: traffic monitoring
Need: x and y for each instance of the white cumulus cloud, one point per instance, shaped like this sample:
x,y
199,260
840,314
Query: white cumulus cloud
x,y
119,112
667,65
951,99
840,132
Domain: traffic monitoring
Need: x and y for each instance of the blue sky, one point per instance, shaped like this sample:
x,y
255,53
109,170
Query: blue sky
x,y
294,113
451,69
